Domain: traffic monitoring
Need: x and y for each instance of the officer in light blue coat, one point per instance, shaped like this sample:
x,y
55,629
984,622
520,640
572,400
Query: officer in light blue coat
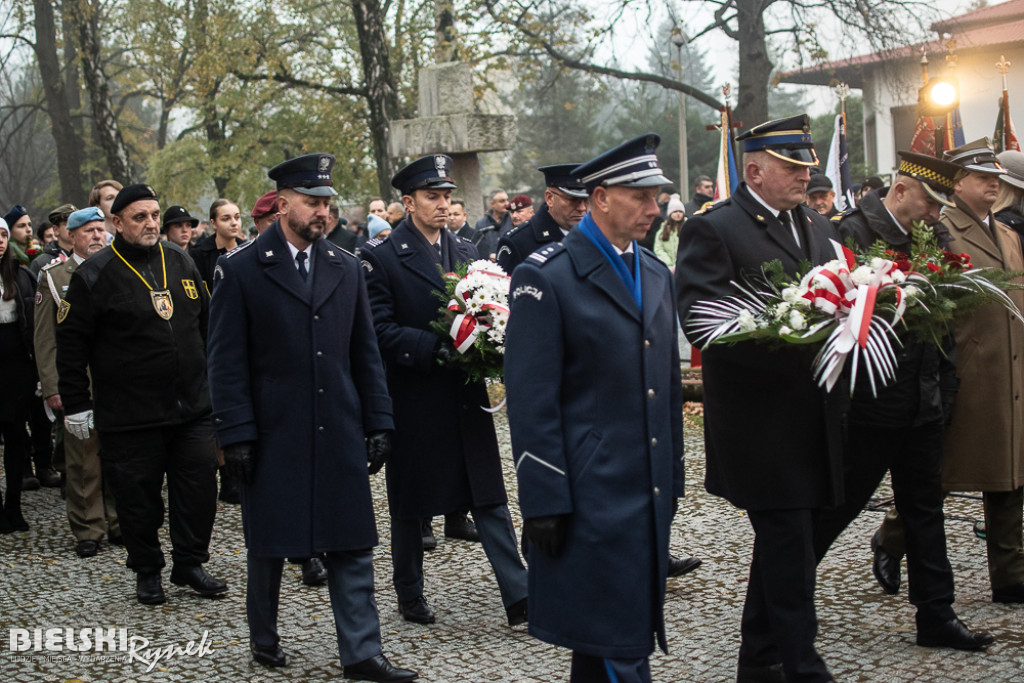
x,y
595,410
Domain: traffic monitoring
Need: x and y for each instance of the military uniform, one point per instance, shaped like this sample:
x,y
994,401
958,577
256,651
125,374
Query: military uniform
x,y
90,497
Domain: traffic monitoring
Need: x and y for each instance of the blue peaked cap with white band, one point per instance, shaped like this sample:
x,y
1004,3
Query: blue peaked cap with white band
x,y
787,139
631,164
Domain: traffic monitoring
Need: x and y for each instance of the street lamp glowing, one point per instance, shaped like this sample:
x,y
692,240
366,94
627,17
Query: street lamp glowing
x,y
943,94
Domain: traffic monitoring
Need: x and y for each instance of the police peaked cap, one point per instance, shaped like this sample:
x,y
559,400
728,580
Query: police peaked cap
x,y
935,175
308,174
975,156
130,194
631,164
560,177
432,172
787,139
177,214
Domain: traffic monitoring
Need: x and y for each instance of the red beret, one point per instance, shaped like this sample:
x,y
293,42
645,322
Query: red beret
x,y
520,201
265,204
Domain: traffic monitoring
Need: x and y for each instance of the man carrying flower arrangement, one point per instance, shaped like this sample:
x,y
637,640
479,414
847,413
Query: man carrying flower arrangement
x,y
901,430
785,464
445,454
983,446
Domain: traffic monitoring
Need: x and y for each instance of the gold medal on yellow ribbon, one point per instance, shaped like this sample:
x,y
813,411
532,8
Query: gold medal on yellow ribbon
x,y
162,303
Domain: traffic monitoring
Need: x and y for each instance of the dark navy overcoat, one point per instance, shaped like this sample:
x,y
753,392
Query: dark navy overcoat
x,y
595,410
446,452
295,368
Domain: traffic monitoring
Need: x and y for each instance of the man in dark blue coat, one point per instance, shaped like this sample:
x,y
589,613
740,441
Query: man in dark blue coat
x,y
300,406
565,204
595,408
773,438
446,452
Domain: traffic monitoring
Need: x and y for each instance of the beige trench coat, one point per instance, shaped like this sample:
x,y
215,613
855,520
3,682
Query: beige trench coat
x,y
984,443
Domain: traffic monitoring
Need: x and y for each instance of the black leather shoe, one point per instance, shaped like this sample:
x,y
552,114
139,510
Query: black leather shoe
x,y
378,669
677,566
1014,593
516,613
29,483
954,634
314,573
17,520
87,548
460,526
116,540
268,655
198,579
885,566
771,673
429,541
49,478
417,611
148,590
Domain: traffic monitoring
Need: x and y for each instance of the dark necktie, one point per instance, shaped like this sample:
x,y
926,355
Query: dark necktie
x,y
301,259
628,258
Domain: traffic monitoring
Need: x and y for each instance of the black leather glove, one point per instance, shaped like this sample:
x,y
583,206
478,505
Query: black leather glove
x,y
547,533
444,352
239,460
378,448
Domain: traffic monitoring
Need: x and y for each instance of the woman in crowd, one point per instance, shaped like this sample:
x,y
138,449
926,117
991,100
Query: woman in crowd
x,y
667,242
17,368
20,243
226,220
1009,206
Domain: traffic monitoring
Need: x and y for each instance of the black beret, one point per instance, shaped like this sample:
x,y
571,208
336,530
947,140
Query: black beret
x,y
132,193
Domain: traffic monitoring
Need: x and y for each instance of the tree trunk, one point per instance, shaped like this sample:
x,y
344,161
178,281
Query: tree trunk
x,y
105,124
72,80
382,96
69,144
755,66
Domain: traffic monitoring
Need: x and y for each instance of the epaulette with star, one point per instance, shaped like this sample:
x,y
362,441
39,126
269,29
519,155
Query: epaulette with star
x,y
545,254
708,207
241,247
372,242
840,216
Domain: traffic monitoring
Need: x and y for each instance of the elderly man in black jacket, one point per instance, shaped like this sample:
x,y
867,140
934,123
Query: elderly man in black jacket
x,y
900,430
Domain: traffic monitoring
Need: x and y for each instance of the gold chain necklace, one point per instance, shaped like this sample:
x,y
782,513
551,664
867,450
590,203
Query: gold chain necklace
x,y
162,302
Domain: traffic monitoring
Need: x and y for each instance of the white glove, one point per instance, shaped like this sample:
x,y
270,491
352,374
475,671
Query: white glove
x,y
79,424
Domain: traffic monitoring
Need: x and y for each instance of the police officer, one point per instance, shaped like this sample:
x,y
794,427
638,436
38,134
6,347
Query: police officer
x,y
89,495
565,204
784,465
135,317
595,409
301,405
446,452
900,430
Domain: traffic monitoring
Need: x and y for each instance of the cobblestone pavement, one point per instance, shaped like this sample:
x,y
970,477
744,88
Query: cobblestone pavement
x,y
864,635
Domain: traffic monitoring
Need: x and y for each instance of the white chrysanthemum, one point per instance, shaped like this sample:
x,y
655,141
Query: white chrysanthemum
x,y
898,276
878,263
797,320
782,309
911,290
862,275
790,294
745,321
784,331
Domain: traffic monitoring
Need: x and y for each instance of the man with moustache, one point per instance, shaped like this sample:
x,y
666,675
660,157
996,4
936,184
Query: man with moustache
x,y
89,496
290,325
135,320
446,452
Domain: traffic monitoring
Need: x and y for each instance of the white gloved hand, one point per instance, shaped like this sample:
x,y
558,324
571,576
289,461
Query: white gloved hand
x,y
79,424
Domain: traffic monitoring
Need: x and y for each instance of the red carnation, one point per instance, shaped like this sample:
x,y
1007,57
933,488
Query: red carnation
x,y
934,268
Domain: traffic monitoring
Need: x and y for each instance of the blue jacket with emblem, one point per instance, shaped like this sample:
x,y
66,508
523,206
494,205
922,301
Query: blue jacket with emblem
x,y
446,452
294,367
595,410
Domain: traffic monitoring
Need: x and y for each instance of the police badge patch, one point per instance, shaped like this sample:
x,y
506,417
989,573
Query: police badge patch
x,y
440,166
190,288
63,308
324,163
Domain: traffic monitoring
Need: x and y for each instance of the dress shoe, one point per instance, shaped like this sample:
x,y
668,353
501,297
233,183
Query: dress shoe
x,y
429,541
677,566
16,520
116,539
314,573
198,579
954,634
460,526
148,590
417,611
49,478
771,673
1013,593
268,655
5,524
378,669
516,613
29,483
885,566
87,548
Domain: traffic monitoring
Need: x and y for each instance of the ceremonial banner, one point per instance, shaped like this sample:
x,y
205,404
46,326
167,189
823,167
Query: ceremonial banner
x,y
837,167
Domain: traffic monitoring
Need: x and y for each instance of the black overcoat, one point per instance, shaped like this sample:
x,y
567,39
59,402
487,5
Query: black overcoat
x,y
773,438
295,368
446,452
526,238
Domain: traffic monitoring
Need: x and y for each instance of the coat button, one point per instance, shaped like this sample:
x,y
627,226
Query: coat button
x,y
657,491
320,428
654,442
320,391
647,343
319,353
316,317
650,393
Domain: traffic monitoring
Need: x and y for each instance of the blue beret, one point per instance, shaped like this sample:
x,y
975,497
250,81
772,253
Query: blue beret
x,y
631,164
787,139
132,193
433,172
560,176
309,174
79,218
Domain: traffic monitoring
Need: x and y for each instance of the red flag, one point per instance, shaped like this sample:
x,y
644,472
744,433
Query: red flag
x,y
924,136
